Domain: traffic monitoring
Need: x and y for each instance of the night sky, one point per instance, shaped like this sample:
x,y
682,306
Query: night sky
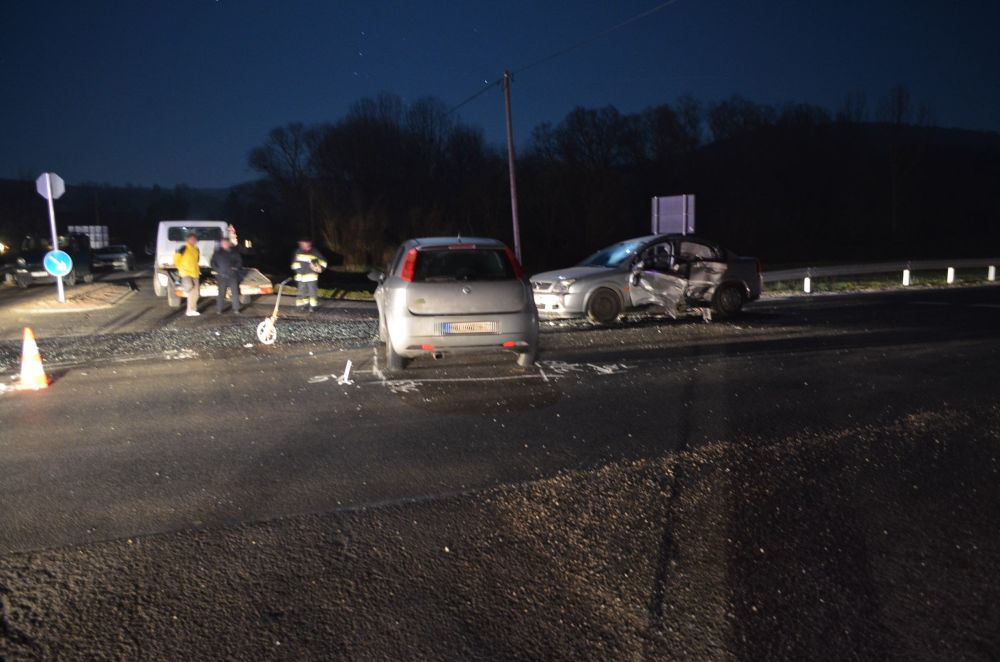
x,y
179,91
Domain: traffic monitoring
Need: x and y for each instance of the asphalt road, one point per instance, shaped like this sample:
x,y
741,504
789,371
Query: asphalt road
x,y
206,434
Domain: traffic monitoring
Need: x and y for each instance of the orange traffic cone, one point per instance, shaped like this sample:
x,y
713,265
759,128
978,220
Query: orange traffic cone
x,y
33,376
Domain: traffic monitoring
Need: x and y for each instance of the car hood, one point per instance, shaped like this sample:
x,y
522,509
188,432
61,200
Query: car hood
x,y
576,273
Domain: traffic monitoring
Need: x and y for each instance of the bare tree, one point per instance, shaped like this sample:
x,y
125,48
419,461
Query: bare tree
x,y
854,109
285,158
737,116
897,107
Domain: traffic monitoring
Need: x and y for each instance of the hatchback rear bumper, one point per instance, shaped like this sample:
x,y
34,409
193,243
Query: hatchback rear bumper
x,y
418,335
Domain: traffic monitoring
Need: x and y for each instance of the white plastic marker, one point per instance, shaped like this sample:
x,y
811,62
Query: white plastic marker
x,y
345,379
807,285
951,275
991,273
906,277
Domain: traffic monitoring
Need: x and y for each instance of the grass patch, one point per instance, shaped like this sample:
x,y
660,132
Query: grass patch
x,y
342,286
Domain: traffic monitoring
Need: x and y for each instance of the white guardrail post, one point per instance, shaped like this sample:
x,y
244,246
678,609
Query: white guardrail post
x,y
908,267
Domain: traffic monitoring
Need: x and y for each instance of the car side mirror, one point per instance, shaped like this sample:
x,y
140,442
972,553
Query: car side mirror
x,y
376,276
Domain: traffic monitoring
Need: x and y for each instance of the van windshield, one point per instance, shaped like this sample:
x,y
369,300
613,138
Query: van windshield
x,y
34,244
180,233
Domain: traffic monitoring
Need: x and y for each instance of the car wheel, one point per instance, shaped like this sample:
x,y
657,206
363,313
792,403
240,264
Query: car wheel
x,y
393,361
728,300
246,299
88,278
604,307
22,280
158,289
70,278
173,300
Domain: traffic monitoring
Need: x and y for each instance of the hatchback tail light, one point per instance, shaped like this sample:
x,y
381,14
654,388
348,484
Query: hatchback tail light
x,y
409,266
518,270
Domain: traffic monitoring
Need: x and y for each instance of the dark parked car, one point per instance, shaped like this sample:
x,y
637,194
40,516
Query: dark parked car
x,y
117,256
25,267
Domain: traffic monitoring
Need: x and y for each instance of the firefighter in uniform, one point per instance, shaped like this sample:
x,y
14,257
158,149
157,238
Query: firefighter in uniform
x,y
307,264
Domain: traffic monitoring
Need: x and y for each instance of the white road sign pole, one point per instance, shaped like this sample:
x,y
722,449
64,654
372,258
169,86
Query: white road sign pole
x,y
55,236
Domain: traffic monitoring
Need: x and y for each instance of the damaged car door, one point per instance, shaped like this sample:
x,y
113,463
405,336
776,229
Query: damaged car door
x,y
704,267
658,279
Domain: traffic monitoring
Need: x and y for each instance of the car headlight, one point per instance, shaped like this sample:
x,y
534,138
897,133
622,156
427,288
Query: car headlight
x,y
21,262
562,286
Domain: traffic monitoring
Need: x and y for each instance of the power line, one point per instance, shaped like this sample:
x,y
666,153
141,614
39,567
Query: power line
x,y
564,51
600,35
475,96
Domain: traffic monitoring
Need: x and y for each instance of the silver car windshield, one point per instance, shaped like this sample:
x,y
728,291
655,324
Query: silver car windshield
x,y
613,256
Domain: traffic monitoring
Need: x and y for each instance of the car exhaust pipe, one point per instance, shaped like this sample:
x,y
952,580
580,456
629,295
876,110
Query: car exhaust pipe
x,y
437,355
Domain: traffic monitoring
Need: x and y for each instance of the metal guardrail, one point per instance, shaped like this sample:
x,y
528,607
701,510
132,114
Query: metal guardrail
x,y
906,266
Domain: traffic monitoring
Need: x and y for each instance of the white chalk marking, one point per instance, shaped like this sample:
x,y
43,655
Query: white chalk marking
x,y
561,368
402,386
180,354
375,369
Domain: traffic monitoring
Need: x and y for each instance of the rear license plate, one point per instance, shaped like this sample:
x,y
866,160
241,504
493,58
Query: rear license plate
x,y
39,274
456,328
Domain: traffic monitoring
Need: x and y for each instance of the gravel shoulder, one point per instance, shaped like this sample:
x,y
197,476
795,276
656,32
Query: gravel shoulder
x,y
868,542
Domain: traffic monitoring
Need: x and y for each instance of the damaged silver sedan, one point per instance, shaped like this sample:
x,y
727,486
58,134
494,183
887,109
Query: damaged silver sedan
x,y
662,273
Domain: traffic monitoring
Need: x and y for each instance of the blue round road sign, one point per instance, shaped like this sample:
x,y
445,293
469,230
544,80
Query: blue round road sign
x,y
58,263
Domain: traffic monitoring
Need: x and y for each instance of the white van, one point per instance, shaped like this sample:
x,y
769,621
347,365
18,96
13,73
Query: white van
x,y
171,235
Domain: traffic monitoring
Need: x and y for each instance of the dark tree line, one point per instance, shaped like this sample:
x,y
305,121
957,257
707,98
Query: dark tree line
x,y
790,183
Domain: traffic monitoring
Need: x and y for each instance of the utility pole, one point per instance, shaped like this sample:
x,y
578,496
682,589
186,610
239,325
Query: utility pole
x,y
510,167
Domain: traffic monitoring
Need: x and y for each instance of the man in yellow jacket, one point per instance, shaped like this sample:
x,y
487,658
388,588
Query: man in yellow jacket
x,y
186,260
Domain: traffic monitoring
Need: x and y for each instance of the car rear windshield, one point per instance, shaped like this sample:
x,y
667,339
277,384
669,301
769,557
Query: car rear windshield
x,y
465,264
180,233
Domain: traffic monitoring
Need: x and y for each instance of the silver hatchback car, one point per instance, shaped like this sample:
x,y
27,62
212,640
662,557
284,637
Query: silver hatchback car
x,y
455,294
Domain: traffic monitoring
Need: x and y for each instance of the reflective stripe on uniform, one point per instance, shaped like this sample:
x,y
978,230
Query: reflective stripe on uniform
x,y
306,278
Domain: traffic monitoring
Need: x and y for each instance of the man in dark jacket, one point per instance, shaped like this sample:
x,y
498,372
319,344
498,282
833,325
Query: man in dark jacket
x,y
227,264
307,265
